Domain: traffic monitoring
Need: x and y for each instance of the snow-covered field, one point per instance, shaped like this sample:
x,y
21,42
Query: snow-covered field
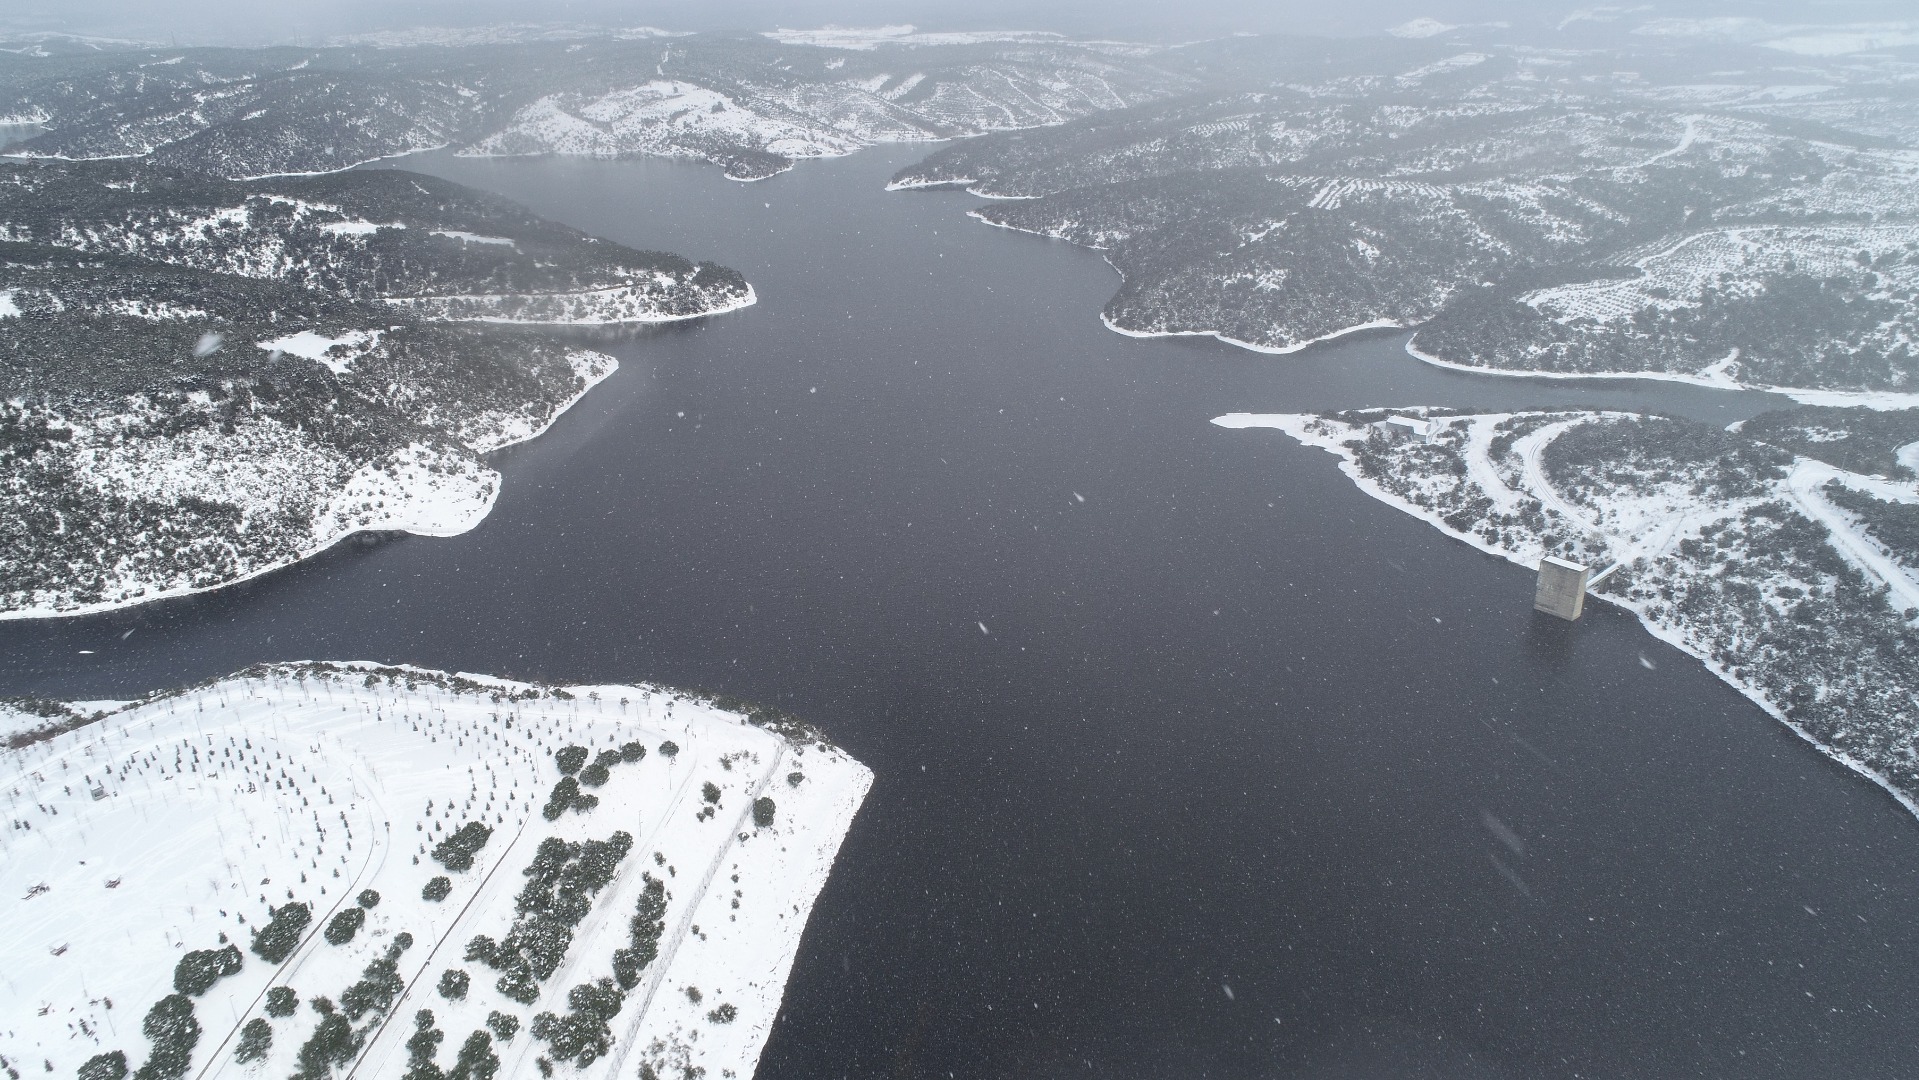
x,y
173,824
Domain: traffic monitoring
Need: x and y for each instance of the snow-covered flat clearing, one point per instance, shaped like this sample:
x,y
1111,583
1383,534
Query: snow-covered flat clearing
x,y
354,870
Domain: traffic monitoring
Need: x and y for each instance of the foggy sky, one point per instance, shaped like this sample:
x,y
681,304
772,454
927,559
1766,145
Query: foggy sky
x,y
312,21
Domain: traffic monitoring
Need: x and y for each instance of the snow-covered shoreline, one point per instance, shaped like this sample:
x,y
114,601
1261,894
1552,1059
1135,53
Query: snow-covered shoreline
x,y
1885,401
438,307
1269,350
1106,320
324,764
1296,425
419,511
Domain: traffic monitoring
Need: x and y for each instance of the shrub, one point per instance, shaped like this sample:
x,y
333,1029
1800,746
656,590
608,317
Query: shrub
x,y
332,1043
367,898
422,1047
725,1014
643,935
595,774
108,1066
583,1035
282,1001
519,985
608,758
567,796
570,759
437,889
276,941
763,811
670,748
632,752
453,984
503,1025
456,852
380,984
341,928
201,968
793,779
477,1061
710,792
171,1026
256,1038
561,883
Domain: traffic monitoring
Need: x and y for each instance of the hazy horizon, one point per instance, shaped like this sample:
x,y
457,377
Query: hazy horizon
x,y
241,22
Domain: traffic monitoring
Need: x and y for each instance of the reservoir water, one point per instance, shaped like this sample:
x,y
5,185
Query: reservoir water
x,y
1191,759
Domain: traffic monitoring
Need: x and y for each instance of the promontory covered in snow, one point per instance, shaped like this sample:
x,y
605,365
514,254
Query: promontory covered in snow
x,y
1590,203
1784,553
318,870
205,379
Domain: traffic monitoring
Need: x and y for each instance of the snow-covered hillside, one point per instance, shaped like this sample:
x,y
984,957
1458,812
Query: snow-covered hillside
x,y
756,114
346,869
1528,215
750,103
208,380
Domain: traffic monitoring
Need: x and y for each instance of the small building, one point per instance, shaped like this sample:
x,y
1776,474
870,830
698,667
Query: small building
x,y
1402,428
1562,588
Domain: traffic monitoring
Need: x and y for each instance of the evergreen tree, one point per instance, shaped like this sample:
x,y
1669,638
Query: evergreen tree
x,y
256,1038
108,1066
276,941
174,1032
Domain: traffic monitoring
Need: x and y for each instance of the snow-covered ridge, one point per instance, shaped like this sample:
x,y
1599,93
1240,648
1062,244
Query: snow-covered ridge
x,y
1804,39
872,37
173,824
500,34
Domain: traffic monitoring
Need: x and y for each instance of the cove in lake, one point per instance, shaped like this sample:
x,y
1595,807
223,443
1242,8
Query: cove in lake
x,y
1235,725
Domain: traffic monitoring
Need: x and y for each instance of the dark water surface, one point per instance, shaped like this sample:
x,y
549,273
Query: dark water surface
x,y
1235,724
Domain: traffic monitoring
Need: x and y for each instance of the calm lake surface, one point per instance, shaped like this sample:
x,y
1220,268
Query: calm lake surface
x,y
1222,791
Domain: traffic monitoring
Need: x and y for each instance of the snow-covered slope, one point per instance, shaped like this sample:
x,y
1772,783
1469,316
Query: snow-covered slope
x,y
756,112
175,824
750,103
206,380
1558,215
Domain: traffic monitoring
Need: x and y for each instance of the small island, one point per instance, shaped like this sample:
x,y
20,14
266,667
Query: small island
x,y
318,869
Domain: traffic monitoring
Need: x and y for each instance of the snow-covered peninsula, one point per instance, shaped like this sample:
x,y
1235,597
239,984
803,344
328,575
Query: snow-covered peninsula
x,y
347,869
209,380
1526,217
1781,554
